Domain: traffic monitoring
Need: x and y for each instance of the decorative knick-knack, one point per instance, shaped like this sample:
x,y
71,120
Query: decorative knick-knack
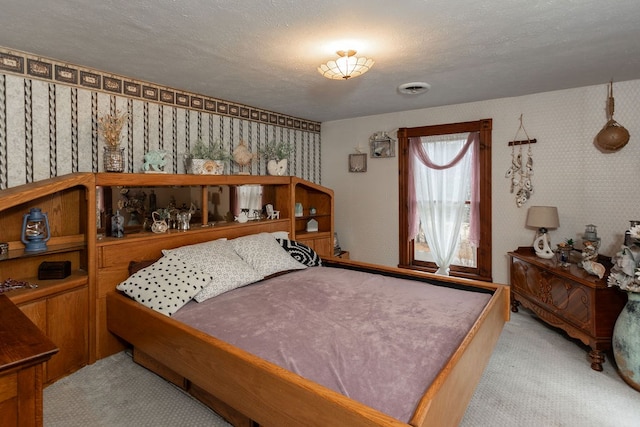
x,y
113,158
117,225
276,154
111,127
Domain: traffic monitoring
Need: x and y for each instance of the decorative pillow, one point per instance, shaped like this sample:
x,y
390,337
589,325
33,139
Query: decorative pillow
x,y
218,259
166,285
301,252
135,266
280,234
264,254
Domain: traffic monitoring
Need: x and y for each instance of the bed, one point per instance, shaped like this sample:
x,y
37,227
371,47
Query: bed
x,y
252,386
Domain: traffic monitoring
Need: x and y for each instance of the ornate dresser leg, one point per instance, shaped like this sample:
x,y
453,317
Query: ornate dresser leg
x,y
514,304
597,359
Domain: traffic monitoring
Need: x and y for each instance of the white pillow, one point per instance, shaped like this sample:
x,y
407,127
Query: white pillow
x,y
166,285
264,254
218,259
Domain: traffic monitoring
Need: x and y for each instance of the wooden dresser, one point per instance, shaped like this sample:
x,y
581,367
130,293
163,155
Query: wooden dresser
x,y
23,351
568,298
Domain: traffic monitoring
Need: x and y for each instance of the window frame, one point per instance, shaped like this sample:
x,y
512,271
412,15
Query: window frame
x,y
483,269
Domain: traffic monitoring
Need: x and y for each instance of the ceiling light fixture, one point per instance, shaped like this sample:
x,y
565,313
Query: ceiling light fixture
x,y
345,67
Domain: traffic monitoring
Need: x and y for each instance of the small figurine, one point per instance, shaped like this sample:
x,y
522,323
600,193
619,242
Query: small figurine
x,y
117,225
243,157
155,161
242,217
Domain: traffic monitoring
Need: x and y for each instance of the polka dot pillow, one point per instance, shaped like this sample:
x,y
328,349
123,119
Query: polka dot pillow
x,y
166,285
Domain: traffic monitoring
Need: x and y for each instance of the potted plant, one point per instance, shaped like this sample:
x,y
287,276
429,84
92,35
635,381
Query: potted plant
x,y
207,159
276,154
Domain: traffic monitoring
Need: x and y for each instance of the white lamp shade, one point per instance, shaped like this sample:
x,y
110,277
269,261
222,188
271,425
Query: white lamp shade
x,y
543,217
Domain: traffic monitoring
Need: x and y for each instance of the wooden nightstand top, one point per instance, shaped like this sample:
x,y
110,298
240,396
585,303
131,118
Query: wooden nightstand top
x,y
22,343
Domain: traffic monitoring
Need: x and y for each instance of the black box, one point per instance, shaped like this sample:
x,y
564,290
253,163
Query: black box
x,y
54,270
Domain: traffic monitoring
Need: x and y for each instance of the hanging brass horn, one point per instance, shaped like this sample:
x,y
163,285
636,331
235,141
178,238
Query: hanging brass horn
x,y
613,135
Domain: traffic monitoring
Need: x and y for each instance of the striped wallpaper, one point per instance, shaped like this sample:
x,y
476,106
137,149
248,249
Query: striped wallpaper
x,y
49,122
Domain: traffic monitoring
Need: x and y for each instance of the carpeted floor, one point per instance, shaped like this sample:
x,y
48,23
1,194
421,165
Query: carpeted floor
x,y
536,377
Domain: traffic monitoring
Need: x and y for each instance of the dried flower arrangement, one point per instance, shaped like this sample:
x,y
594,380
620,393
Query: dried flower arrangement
x,y
111,125
132,201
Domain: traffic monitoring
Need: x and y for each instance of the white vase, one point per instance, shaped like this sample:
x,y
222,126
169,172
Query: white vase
x,y
277,167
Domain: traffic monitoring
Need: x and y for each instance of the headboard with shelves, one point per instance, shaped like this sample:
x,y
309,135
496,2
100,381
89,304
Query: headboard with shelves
x,y
114,254
76,319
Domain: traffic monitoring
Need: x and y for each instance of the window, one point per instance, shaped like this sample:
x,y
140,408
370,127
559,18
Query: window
x,y
468,260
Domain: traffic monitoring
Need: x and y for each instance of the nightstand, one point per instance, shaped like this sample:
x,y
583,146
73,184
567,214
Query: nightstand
x,y
343,255
568,298
23,351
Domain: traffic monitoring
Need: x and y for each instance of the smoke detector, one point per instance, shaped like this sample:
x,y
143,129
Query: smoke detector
x,y
414,88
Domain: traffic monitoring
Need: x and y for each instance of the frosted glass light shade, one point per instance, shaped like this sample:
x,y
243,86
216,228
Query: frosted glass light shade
x,y
345,67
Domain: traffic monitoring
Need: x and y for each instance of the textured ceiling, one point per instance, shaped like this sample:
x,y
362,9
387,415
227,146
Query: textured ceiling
x,y
265,53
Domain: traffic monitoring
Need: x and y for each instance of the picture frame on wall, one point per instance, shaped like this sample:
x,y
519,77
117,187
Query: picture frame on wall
x,y
358,162
382,145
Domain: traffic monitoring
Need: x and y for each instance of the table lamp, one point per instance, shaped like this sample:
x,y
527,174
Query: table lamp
x,y
542,218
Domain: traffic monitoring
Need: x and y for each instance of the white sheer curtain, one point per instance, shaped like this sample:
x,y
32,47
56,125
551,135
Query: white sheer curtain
x,y
248,197
443,169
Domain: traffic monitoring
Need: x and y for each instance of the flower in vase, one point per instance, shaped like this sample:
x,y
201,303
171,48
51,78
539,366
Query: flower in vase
x,y
132,201
111,126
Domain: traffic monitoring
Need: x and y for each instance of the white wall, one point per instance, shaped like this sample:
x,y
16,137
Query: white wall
x,y
587,186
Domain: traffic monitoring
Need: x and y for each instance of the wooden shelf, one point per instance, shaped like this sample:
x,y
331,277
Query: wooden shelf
x,y
71,246
47,288
184,180
195,228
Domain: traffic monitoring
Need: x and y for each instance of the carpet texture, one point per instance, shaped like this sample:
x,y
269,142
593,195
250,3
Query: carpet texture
x,y
536,377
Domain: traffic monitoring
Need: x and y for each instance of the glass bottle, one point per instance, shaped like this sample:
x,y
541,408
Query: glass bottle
x,y
153,205
117,225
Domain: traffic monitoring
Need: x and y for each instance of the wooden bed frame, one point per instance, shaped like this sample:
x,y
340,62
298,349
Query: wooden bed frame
x,y
243,388
249,391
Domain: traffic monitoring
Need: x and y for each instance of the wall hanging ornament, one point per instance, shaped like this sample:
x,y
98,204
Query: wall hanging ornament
x,y
521,170
613,135
358,161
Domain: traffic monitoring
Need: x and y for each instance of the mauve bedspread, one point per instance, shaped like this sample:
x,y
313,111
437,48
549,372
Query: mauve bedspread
x,y
376,339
